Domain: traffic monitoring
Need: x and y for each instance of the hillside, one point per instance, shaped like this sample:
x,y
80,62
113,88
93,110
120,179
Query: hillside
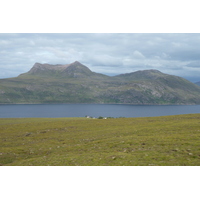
x,y
159,141
76,83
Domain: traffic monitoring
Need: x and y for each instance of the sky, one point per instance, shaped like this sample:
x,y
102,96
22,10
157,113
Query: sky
x,y
107,53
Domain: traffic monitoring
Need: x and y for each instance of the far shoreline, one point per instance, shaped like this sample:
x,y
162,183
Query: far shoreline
x,y
150,104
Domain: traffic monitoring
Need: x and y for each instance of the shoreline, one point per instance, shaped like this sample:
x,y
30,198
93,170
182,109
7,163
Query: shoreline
x,y
100,117
100,104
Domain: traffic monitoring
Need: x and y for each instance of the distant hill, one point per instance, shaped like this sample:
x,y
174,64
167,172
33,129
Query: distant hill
x,y
76,83
198,83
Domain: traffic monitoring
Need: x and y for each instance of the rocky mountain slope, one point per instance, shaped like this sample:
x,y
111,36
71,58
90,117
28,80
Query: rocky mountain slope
x,y
76,83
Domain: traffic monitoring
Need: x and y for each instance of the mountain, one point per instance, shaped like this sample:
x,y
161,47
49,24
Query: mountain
x,y
76,83
73,70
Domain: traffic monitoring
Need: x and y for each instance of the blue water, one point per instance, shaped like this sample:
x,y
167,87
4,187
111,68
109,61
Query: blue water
x,y
94,110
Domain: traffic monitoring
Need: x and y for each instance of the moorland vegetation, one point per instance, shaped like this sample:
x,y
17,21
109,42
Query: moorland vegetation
x,y
151,141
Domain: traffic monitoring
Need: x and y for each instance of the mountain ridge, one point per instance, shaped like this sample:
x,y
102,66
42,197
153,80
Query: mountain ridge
x,y
76,83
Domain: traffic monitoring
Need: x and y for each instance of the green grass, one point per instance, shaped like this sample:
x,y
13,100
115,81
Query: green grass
x,y
165,141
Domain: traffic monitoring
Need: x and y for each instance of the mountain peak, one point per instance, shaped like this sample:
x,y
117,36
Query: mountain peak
x,y
150,70
75,69
77,63
38,68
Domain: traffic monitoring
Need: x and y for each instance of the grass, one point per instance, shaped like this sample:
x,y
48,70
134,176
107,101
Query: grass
x,y
158,141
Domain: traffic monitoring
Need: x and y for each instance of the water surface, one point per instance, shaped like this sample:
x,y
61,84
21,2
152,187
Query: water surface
x,y
94,110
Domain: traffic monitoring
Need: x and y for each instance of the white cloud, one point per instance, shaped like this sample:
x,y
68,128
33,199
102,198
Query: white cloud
x,y
138,55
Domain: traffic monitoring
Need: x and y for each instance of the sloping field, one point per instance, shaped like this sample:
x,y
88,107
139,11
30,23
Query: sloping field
x,y
168,141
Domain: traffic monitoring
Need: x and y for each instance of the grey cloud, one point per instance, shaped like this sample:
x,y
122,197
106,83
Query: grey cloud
x,y
105,53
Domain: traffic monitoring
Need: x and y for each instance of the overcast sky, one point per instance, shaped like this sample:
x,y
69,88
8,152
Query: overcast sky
x,y
111,54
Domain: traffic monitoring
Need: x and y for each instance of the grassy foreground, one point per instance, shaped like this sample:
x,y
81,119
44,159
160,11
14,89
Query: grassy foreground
x,y
168,141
